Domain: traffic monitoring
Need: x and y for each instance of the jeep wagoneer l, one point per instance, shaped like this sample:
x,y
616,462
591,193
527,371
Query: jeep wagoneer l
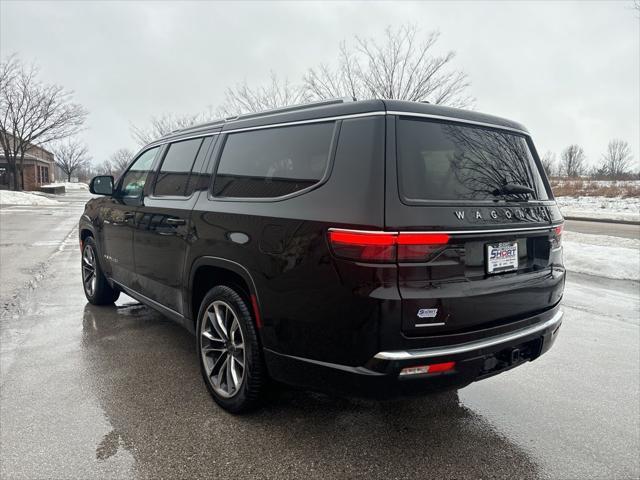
x,y
362,247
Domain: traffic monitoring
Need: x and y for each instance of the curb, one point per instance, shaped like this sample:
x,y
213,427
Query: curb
x,y
602,220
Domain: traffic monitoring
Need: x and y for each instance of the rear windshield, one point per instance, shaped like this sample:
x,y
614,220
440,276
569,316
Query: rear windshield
x,y
444,161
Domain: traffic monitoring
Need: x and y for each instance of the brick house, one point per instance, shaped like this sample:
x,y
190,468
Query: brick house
x,y
37,169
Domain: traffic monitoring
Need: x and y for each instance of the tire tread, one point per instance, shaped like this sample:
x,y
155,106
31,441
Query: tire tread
x,y
256,375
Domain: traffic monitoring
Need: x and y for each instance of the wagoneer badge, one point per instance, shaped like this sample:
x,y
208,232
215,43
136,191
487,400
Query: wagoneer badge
x,y
529,213
427,312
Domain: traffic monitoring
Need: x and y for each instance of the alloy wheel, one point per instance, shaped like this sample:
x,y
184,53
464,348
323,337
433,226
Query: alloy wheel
x,y
222,348
89,270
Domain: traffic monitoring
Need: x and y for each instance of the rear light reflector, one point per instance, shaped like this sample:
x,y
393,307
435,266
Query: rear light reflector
x,y
385,246
441,367
256,310
423,369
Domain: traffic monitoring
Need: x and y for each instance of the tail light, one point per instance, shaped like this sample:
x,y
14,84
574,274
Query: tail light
x,y
365,246
385,246
556,236
419,246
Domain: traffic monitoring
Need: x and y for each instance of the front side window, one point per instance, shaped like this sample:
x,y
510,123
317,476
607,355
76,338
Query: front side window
x,y
273,162
445,161
175,172
133,181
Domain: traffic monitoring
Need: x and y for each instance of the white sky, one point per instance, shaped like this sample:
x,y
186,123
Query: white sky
x,y
569,71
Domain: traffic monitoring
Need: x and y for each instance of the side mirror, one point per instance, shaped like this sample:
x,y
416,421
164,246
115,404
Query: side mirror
x,y
101,185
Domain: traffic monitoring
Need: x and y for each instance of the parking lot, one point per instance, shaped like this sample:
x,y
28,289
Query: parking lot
x,y
115,392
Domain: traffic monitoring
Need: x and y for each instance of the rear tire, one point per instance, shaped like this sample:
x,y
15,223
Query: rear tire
x,y
96,287
229,352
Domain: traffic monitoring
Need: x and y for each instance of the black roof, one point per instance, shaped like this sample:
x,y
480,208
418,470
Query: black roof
x,y
341,107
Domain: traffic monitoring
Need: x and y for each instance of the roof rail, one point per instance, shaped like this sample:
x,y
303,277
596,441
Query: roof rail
x,y
264,113
292,108
212,123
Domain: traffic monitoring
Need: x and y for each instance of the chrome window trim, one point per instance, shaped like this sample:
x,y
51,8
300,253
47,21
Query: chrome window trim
x,y
471,346
271,125
450,232
458,120
157,143
304,122
334,118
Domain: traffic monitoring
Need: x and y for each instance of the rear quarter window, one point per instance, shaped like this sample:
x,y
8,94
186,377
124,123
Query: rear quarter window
x,y
273,162
446,161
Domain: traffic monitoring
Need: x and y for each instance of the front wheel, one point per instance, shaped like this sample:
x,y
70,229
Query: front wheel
x,y
96,287
230,358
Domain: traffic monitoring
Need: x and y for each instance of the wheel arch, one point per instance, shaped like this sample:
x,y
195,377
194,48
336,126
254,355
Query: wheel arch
x,y
85,228
208,272
86,232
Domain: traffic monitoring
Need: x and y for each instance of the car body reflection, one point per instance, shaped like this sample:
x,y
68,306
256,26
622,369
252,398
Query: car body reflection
x,y
146,377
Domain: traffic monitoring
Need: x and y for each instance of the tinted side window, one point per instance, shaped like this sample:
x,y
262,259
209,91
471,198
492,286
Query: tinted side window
x,y
133,181
273,162
175,171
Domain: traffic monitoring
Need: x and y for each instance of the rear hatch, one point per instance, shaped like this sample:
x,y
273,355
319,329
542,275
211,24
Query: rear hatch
x,y
497,257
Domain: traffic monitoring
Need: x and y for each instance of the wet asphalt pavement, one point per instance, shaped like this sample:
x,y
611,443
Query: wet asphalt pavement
x,y
115,392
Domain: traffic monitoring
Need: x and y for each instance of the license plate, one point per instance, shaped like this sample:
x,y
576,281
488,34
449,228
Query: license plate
x,y
502,257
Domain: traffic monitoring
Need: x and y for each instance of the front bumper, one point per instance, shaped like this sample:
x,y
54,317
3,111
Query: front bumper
x,y
380,376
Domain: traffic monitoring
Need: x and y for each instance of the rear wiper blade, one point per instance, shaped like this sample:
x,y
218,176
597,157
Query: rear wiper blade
x,y
514,188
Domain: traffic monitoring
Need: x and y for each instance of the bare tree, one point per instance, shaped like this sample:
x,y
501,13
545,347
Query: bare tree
x,y
86,172
549,163
71,156
404,67
598,172
165,124
105,168
572,161
116,163
32,113
243,99
616,162
479,169
121,158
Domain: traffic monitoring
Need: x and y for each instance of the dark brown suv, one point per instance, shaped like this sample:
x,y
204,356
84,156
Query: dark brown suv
x,y
365,247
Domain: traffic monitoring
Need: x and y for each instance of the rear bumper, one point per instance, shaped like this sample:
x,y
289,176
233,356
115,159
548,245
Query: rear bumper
x,y
380,376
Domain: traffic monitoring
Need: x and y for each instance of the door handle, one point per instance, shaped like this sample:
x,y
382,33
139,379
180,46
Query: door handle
x,y
175,221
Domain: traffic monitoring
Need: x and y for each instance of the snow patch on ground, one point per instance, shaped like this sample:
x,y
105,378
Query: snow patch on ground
x,y
602,255
600,207
8,197
70,185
